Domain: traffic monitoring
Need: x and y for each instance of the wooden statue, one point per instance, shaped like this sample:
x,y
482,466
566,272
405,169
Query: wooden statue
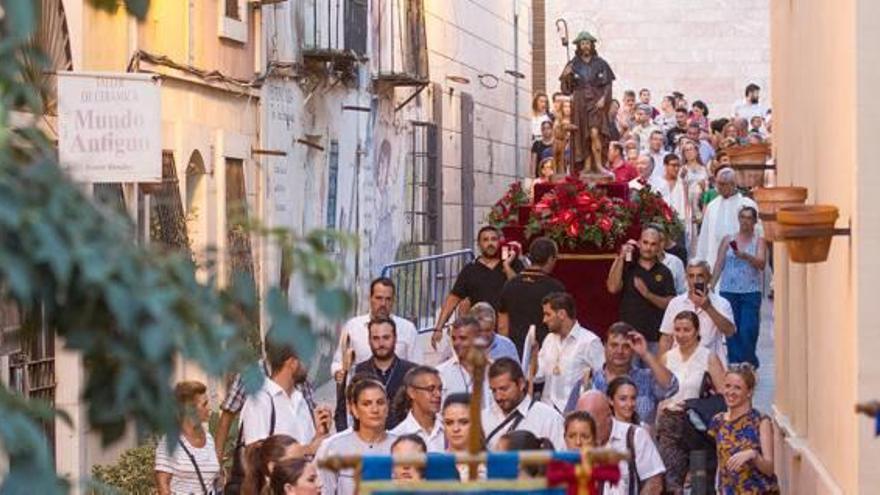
x,y
588,79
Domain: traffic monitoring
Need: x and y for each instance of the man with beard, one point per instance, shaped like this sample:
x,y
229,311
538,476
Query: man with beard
x,y
751,106
480,280
588,79
381,304
569,352
515,410
385,365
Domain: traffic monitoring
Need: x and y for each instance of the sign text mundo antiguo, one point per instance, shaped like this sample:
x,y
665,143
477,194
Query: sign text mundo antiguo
x,y
110,127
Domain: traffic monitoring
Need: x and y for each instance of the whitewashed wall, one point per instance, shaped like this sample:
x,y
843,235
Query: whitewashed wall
x,y
707,49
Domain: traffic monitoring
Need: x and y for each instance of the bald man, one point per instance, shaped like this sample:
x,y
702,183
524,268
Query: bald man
x,y
596,403
625,436
721,216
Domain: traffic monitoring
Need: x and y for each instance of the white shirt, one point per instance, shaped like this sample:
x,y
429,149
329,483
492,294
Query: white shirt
x,y
720,219
675,197
643,133
434,439
678,273
688,373
359,339
647,457
658,171
562,363
539,418
747,110
292,414
346,442
456,379
184,479
710,336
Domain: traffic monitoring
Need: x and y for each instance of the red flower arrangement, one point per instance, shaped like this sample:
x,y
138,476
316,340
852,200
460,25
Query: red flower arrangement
x,y
650,208
576,216
505,212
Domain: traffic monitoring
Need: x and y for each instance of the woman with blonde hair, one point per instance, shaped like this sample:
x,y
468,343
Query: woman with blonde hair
x,y
743,438
191,465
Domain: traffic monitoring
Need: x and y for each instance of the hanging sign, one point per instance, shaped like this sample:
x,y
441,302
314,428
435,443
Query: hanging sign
x,y
109,127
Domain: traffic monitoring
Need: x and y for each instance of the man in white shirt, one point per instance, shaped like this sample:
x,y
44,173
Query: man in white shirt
x,y
424,390
644,127
516,411
568,352
721,217
456,372
657,153
750,106
610,432
279,407
714,312
381,305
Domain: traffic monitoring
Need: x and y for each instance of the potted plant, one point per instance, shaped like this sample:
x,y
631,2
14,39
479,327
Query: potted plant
x,y
771,199
807,230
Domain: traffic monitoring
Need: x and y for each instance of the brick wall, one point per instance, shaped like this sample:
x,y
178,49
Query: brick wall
x,y
707,49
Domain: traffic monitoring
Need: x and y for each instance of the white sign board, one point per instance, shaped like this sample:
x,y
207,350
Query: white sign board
x,y
109,127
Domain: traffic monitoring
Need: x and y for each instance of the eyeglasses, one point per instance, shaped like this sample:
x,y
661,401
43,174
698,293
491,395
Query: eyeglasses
x,y
433,389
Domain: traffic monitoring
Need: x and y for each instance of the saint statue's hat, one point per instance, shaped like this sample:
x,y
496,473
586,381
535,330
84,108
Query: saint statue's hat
x,y
585,36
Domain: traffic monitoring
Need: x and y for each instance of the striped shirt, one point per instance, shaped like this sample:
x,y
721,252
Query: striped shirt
x,y
184,480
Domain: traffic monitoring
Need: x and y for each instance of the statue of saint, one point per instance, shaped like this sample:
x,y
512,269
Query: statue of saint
x,y
588,79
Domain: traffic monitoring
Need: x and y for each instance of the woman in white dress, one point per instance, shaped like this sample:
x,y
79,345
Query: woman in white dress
x,y
692,364
696,182
368,405
191,465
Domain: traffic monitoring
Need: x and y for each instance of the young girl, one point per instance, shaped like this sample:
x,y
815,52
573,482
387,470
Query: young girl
x,y
580,430
295,477
408,444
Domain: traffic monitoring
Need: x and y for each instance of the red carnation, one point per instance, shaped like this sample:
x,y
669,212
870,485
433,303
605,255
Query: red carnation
x,y
605,224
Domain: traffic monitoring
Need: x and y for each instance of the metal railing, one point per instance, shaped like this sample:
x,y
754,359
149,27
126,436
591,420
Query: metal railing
x,y
422,285
335,26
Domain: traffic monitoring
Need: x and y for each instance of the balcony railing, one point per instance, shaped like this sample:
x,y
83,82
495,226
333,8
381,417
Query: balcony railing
x,y
335,29
401,57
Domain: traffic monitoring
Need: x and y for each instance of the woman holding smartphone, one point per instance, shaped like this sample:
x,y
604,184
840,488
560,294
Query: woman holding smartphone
x,y
739,276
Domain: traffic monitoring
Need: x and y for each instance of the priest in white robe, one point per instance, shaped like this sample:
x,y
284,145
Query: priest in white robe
x,y
721,216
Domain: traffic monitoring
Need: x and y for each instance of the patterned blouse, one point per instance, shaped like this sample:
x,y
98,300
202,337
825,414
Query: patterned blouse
x,y
736,436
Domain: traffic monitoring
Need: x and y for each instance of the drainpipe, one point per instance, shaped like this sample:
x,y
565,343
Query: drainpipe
x,y
519,165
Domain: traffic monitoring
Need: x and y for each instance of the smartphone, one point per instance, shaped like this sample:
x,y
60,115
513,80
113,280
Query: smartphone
x,y
508,249
700,287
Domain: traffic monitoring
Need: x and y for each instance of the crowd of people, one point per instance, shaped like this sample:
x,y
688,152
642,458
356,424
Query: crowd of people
x,y
673,377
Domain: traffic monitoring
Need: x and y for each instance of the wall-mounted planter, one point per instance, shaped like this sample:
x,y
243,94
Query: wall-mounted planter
x,y
807,230
749,161
770,200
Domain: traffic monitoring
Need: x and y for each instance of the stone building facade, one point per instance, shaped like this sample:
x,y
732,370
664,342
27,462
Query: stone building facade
x,y
707,49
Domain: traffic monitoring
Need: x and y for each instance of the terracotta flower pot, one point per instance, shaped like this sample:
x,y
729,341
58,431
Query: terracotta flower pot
x,y
770,199
797,220
748,154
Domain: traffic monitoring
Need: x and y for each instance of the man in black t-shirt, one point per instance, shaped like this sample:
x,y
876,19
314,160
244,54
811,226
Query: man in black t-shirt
x,y
520,305
645,284
479,281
